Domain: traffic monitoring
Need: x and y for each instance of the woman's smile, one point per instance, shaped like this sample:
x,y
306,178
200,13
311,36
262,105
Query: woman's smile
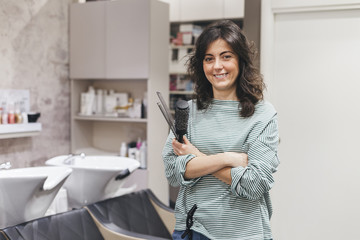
x,y
220,76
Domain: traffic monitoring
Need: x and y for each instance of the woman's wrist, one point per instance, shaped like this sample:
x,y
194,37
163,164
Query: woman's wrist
x,y
227,161
200,154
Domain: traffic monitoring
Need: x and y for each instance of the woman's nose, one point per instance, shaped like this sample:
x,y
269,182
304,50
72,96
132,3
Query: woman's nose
x,y
218,64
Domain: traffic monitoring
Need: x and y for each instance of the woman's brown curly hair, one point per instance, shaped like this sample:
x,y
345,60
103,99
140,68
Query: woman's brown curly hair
x,y
249,83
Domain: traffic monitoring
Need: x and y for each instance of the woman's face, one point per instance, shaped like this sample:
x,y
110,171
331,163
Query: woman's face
x,y
221,68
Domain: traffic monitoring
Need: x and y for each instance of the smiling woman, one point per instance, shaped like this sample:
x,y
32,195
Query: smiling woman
x,y
225,41
224,167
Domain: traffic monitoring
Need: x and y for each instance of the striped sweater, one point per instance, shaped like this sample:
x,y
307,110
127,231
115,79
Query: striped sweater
x,y
241,210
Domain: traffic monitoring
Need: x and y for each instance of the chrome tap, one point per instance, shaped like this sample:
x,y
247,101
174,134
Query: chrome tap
x,y
70,159
5,165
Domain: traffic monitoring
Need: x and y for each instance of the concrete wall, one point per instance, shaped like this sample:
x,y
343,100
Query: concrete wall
x,y
34,55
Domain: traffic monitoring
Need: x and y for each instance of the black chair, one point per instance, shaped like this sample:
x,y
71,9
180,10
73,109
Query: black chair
x,y
73,225
138,215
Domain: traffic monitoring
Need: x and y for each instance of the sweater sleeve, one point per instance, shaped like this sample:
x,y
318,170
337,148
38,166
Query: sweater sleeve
x,y
175,166
256,179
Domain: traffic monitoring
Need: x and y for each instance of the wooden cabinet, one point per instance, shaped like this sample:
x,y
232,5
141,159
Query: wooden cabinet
x,y
188,10
234,9
108,40
200,10
127,39
87,38
112,47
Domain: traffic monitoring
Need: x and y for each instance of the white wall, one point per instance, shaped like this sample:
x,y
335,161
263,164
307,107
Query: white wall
x,y
311,63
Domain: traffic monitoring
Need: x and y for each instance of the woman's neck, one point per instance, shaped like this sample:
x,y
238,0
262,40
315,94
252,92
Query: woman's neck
x,y
224,95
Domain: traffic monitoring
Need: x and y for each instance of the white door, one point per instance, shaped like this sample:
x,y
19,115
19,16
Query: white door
x,y
315,88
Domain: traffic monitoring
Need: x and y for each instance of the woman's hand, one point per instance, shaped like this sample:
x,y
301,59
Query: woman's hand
x,y
185,148
236,159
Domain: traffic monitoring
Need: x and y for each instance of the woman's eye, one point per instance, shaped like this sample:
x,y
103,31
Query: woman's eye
x,y
226,57
208,59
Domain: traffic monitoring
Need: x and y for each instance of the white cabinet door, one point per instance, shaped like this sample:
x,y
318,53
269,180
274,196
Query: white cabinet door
x,y
100,36
174,8
191,10
234,8
127,39
87,38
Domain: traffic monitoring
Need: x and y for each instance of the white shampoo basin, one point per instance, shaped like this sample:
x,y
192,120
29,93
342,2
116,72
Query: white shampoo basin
x,y
95,178
26,193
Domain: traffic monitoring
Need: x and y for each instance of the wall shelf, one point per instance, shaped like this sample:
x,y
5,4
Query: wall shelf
x,y
20,130
182,46
110,119
180,92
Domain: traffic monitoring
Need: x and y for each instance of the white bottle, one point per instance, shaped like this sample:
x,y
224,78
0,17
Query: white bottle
x,y
83,103
110,103
143,155
4,118
23,112
99,101
123,150
91,104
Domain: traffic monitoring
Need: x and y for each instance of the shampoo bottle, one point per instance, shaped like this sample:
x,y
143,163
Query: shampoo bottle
x,y
4,115
123,150
23,112
99,101
143,155
18,116
11,114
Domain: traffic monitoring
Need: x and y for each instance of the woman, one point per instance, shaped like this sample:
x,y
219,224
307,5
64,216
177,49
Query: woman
x,y
229,154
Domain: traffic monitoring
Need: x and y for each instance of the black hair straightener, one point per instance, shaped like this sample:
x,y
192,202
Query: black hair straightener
x,y
166,113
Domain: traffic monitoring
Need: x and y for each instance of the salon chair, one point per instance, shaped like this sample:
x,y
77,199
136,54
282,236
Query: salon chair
x,y
73,225
138,215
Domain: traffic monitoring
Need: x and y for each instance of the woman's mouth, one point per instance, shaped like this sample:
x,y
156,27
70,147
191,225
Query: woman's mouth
x,y
220,76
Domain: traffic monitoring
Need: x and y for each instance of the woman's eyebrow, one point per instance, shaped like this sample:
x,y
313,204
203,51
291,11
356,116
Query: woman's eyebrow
x,y
209,54
226,52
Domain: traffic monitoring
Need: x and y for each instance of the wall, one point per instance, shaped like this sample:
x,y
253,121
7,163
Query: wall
x,y
34,55
314,54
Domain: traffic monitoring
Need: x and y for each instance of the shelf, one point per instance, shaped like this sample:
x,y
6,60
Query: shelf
x,y
181,46
19,130
110,119
182,92
91,151
178,73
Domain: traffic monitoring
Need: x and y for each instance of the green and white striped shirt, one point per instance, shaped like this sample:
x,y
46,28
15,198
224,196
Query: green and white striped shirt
x,y
241,210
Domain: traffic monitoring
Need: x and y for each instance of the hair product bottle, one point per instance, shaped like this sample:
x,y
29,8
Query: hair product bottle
x,y
123,150
18,116
11,114
4,115
23,112
143,157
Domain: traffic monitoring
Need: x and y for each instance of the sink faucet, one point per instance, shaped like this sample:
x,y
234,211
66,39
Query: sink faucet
x,y
5,165
70,159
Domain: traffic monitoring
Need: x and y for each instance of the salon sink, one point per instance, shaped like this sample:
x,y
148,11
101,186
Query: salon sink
x,y
95,178
26,193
